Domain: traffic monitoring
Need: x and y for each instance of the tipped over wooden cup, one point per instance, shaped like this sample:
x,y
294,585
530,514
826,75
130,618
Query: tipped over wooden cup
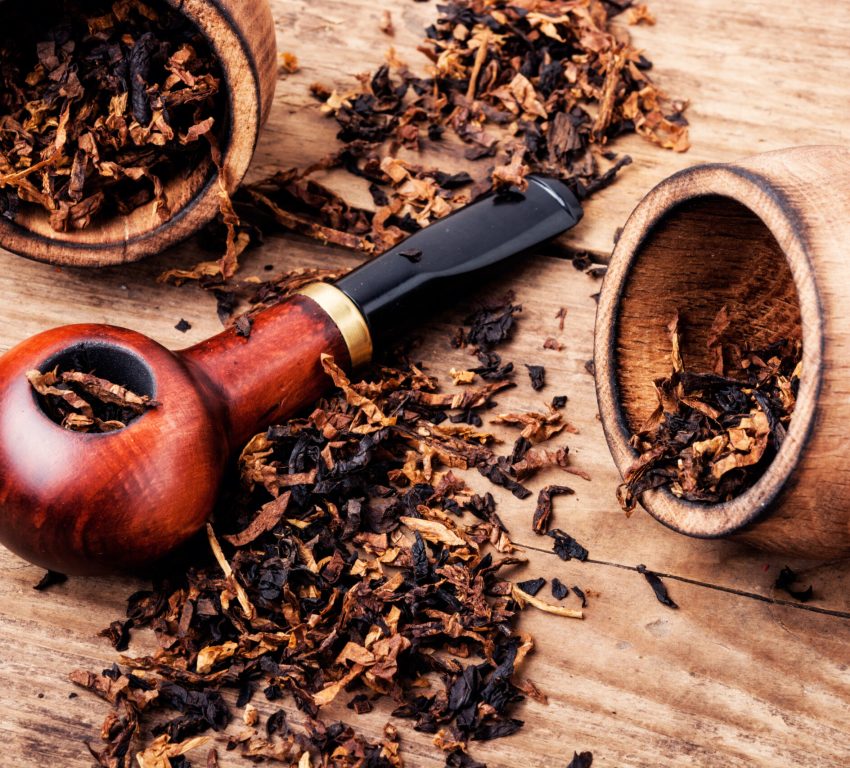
x,y
768,239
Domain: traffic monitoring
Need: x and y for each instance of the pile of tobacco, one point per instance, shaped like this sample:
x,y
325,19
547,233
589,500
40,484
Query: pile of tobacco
x,y
353,564
101,103
522,87
83,402
714,433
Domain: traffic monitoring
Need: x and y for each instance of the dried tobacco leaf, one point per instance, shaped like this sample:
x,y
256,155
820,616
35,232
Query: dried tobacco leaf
x,y
491,325
786,580
537,374
565,546
579,592
49,579
657,587
524,597
118,634
543,90
83,402
581,760
532,586
714,433
543,512
559,589
102,105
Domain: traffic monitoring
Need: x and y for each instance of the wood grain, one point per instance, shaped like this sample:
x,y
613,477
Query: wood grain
x,y
241,33
732,678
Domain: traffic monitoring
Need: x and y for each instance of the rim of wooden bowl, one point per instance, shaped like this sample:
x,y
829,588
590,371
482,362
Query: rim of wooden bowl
x,y
194,199
758,195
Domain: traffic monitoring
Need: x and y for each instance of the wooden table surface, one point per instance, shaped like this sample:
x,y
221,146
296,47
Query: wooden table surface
x,y
740,675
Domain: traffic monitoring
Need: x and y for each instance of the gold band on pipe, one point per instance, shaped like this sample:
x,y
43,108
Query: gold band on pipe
x,y
346,316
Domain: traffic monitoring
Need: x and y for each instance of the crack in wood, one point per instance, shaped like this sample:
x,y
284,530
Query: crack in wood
x,y
708,585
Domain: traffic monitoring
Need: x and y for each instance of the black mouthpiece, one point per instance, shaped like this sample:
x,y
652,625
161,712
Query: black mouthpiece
x,y
467,242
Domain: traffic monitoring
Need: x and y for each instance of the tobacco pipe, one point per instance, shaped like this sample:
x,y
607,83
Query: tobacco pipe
x,y
96,502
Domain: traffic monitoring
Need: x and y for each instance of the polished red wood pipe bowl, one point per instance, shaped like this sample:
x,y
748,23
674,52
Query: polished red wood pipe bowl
x,y
88,503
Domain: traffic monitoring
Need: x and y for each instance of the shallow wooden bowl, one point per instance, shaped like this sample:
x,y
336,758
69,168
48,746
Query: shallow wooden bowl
x,y
242,34
770,238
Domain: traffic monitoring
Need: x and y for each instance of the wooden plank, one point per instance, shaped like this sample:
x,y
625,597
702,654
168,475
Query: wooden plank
x,y
732,677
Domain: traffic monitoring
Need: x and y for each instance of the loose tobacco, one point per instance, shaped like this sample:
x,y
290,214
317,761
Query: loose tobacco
x,y
101,104
523,86
353,564
714,433
83,402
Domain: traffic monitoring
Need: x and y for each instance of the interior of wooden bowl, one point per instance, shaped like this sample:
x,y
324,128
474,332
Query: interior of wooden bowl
x,y
699,242
704,254
191,191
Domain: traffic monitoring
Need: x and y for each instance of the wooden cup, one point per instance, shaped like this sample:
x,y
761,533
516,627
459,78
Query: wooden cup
x,y
242,34
768,238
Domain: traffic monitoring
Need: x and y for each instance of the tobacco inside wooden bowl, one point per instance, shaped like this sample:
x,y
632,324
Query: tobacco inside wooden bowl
x,y
236,36
765,238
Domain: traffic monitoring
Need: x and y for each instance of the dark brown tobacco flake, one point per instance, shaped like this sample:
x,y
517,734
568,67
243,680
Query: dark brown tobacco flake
x,y
532,586
49,579
559,589
543,512
657,586
537,374
581,760
579,593
714,433
566,547
786,580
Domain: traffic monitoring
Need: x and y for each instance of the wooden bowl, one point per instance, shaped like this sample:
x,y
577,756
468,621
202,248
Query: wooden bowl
x,y
769,238
242,34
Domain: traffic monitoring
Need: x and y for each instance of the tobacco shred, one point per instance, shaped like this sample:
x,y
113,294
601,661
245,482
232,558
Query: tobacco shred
x,y
543,512
566,547
786,580
353,553
715,432
102,104
559,589
581,760
579,593
532,586
527,88
83,402
354,562
50,579
537,374
658,587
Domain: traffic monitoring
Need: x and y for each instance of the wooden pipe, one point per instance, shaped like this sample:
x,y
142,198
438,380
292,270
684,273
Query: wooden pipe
x,y
768,238
242,35
87,503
